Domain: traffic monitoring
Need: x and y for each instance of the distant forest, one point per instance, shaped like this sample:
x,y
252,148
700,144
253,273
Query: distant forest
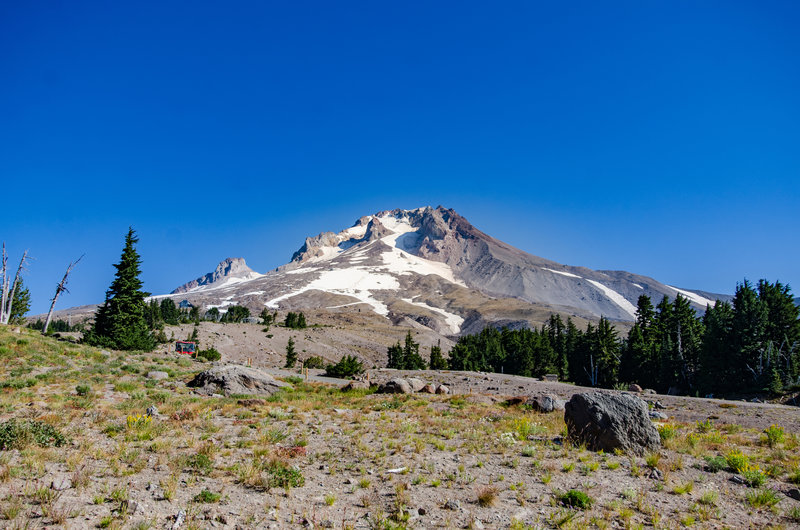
x,y
747,346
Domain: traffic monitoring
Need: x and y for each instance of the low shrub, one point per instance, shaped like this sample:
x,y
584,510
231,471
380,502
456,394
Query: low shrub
x,y
210,354
315,361
19,434
347,367
576,499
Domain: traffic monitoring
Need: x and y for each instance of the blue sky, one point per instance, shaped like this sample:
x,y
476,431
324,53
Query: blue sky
x,y
656,137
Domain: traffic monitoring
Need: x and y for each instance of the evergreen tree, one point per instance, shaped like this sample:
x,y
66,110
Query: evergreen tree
x,y
301,321
120,322
169,312
291,355
395,354
411,357
717,366
213,314
20,304
747,338
291,320
266,317
437,361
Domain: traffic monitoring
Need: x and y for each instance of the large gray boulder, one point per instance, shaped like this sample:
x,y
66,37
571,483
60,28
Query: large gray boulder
x,y
236,379
416,384
398,385
605,421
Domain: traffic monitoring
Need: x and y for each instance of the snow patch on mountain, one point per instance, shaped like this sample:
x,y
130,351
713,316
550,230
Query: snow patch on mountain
x,y
562,273
358,282
694,297
615,297
453,321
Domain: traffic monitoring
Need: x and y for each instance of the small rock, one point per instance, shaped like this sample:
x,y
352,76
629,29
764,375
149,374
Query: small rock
x,y
428,389
16,330
441,389
452,505
348,481
157,375
355,385
659,405
648,391
327,523
61,484
477,524
738,479
655,474
633,387
655,415
422,511
152,410
180,517
416,384
793,493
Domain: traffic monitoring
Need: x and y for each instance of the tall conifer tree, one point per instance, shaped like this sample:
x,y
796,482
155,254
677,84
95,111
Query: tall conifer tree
x,y
120,322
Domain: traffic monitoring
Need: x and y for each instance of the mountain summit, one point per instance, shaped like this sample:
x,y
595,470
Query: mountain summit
x,y
432,267
229,270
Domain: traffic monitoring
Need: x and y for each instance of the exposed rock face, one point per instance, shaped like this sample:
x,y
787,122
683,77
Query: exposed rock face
x,y
355,385
236,379
605,421
227,269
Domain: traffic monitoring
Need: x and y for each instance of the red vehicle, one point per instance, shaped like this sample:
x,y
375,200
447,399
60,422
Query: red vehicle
x,y
185,346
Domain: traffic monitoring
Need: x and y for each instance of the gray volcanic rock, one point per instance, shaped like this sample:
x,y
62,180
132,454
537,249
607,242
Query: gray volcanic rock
x,y
236,379
606,422
227,268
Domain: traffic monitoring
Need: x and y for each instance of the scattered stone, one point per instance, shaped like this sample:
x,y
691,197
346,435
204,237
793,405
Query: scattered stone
x,y
179,519
611,421
428,389
517,400
477,524
441,389
355,385
793,493
633,387
553,378
157,375
398,385
416,384
738,479
452,505
252,402
655,415
655,474
236,379
422,511
545,403
348,481
397,470
152,411
61,484
327,523
648,391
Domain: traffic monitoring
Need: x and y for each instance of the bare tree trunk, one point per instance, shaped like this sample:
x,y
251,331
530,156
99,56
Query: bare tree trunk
x,y
4,284
62,286
8,295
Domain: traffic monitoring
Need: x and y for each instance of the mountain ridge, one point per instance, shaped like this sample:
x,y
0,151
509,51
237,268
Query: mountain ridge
x,y
379,264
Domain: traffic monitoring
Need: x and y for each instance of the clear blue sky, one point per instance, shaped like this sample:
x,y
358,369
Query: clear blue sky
x,y
661,138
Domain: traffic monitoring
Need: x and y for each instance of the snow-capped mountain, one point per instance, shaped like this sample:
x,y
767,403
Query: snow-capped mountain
x,y
432,267
229,271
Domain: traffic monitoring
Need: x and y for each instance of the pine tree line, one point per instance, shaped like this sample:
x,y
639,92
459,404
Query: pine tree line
x,y
749,345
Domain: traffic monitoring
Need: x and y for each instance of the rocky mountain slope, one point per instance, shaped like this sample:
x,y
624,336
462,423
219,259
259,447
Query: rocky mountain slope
x,y
429,267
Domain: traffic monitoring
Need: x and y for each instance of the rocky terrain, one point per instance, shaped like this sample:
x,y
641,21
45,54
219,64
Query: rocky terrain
x,y
92,438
